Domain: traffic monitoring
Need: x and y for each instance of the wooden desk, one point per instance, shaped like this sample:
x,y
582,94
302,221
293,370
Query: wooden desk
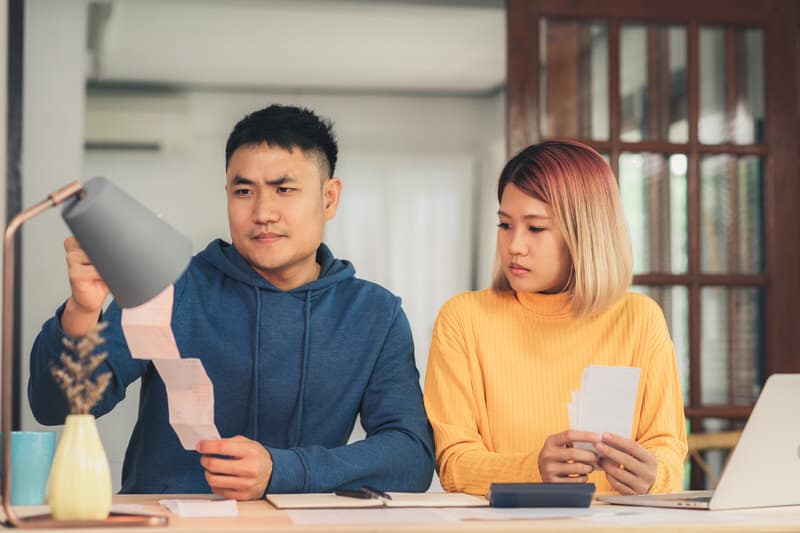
x,y
260,516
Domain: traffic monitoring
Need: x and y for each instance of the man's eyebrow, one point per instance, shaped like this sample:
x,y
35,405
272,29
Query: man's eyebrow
x,y
238,180
281,180
525,217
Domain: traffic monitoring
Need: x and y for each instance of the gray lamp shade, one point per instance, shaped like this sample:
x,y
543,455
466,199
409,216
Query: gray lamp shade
x,y
136,253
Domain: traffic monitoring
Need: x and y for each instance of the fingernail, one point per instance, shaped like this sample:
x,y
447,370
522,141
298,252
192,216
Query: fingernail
x,y
608,436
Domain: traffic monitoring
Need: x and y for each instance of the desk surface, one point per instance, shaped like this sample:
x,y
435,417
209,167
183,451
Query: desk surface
x,y
260,516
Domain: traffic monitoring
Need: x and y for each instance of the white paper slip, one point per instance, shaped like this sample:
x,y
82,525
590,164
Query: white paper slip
x,y
606,401
202,508
148,328
399,499
190,395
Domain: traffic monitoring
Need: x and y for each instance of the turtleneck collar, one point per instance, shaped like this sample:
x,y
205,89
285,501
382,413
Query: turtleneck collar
x,y
554,306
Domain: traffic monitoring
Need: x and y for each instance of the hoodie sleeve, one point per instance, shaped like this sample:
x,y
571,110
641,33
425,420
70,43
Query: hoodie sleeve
x,y
47,401
397,453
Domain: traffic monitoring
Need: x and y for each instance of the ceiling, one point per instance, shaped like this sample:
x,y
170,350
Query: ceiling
x,y
454,47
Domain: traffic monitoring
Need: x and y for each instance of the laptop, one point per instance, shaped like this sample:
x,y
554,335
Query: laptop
x,y
764,467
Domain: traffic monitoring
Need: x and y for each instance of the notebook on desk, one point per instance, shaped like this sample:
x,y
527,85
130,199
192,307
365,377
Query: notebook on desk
x,y
398,499
764,467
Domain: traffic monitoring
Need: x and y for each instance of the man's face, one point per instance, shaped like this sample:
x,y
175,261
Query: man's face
x,y
278,203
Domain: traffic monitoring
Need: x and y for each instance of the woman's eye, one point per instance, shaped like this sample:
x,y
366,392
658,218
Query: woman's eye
x,y
503,225
535,229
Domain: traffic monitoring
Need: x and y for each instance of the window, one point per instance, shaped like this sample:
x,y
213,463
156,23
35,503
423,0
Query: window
x,y
690,102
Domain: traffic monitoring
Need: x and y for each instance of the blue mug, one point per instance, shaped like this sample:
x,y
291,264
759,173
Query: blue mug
x,y
31,458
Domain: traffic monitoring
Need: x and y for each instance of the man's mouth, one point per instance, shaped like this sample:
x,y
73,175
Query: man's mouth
x,y
266,236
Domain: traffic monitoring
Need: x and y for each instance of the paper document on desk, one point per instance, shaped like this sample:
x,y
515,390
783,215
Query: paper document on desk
x,y
606,401
201,508
190,393
399,499
329,518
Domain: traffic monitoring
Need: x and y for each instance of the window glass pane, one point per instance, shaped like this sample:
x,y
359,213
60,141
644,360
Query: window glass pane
x,y
653,191
574,79
731,86
732,216
731,346
674,301
653,83
716,459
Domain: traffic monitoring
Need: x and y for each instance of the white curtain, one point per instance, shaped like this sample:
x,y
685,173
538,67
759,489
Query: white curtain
x,y
407,223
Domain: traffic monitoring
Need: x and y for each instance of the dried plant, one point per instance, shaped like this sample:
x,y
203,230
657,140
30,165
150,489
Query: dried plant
x,y
74,376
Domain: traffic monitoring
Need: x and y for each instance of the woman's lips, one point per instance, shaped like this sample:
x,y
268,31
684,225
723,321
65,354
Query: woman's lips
x,y
518,270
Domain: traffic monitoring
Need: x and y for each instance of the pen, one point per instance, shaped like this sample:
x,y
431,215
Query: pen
x,y
375,493
361,494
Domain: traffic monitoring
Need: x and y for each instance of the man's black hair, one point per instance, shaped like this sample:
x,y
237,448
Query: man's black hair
x,y
287,127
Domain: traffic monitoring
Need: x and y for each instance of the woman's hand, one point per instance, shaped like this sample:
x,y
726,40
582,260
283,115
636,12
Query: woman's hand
x,y
560,462
629,467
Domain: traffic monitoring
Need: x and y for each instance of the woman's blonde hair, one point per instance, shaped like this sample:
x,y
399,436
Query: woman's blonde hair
x,y
578,185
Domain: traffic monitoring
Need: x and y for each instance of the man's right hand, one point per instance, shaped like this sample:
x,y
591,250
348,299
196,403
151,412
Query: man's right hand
x,y
89,291
561,462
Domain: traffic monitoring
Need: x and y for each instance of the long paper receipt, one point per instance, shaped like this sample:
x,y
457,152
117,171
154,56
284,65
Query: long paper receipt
x,y
190,393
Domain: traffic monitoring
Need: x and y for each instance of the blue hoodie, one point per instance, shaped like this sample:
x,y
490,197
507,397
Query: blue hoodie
x,y
291,370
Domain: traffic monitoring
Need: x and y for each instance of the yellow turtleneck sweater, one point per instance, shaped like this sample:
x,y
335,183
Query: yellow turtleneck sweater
x,y
501,371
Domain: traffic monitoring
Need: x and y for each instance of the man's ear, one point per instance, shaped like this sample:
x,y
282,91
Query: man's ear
x,y
331,192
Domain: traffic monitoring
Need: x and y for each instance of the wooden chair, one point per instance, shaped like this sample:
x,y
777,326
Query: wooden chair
x,y
701,442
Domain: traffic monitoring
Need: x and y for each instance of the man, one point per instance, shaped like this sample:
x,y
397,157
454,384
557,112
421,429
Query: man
x,y
294,344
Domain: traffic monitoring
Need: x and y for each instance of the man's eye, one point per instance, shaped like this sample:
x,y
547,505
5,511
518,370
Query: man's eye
x,y
242,192
284,190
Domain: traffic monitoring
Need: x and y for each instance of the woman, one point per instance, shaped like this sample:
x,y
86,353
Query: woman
x,y
504,361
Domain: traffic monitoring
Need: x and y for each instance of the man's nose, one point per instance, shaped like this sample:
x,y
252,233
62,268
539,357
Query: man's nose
x,y
265,211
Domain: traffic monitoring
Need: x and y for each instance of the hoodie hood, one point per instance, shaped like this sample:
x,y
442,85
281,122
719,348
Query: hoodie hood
x,y
226,258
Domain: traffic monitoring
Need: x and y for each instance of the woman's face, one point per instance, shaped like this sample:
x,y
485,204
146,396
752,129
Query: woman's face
x,y
533,253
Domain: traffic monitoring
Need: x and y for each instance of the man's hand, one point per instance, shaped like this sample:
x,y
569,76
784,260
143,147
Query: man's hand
x,y
560,462
244,471
629,467
89,291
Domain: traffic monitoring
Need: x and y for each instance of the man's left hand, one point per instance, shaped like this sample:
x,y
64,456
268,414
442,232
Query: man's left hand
x,y
629,467
243,472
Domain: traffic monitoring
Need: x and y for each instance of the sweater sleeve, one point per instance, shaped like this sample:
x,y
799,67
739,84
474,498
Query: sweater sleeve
x,y
454,399
397,453
47,401
662,426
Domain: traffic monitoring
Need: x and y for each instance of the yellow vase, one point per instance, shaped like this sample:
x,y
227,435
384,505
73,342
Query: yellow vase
x,y
80,480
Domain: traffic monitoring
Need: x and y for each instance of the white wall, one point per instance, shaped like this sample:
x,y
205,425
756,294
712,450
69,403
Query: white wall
x,y
422,151
52,146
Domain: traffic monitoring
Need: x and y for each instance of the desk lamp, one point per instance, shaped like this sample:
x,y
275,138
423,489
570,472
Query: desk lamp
x,y
137,255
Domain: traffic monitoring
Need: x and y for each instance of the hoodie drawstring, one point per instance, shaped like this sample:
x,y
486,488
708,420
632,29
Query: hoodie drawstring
x,y
256,350
303,366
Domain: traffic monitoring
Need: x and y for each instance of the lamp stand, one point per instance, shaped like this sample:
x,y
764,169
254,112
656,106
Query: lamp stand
x,y
40,521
